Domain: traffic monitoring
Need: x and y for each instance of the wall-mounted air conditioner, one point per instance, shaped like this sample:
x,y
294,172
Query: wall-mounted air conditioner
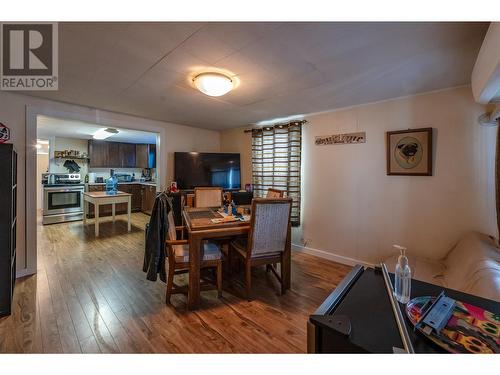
x,y
485,78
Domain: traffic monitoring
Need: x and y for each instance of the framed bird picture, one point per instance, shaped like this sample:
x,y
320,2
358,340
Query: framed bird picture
x,y
409,152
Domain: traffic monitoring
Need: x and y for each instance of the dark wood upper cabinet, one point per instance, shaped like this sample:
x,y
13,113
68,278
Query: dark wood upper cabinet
x,y
98,154
105,154
127,155
145,156
114,157
141,156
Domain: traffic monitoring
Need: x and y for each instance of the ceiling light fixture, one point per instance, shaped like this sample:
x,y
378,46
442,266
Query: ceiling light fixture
x,y
213,84
105,133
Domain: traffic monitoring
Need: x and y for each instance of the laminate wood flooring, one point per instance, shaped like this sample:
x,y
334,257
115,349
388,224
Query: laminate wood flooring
x,y
91,296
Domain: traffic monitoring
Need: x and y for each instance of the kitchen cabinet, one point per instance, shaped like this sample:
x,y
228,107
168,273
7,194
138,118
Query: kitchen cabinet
x,y
145,156
136,201
96,188
148,198
141,156
127,155
114,157
103,154
98,154
136,197
121,208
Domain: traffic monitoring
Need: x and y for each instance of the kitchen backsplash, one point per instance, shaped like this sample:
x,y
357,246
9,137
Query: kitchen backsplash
x,y
104,172
57,166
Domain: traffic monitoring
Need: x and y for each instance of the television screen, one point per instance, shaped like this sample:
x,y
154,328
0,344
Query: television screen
x,y
194,169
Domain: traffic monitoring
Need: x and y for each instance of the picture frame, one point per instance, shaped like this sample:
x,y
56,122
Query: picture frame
x,y
409,152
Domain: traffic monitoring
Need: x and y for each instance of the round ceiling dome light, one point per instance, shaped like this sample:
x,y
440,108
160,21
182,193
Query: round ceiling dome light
x,y
213,84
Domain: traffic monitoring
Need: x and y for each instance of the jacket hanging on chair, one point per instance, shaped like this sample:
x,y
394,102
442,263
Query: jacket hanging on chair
x,y
156,230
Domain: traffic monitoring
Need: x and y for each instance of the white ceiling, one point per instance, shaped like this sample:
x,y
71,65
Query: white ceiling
x,y
284,69
53,127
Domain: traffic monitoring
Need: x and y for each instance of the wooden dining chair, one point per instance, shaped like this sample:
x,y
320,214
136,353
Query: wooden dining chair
x,y
207,196
178,260
275,193
267,239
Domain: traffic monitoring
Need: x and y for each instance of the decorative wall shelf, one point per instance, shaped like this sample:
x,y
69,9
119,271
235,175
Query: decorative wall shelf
x,y
72,158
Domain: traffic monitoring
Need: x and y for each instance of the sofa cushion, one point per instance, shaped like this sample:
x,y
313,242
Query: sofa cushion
x,y
473,266
485,281
210,252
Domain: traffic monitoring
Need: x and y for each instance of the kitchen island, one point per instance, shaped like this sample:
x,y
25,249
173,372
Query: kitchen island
x,y
99,198
143,196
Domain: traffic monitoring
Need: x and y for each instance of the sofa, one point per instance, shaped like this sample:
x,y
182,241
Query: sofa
x,y
471,266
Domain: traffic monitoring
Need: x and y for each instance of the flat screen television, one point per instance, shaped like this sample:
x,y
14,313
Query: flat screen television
x,y
194,169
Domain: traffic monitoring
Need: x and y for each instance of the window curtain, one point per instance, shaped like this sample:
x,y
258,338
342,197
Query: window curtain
x,y
276,157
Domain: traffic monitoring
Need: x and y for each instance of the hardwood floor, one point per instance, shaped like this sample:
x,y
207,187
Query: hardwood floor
x,y
91,296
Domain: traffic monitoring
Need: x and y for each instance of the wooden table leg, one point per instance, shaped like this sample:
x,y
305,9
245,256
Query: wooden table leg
x,y
113,211
85,211
129,211
287,265
96,220
194,271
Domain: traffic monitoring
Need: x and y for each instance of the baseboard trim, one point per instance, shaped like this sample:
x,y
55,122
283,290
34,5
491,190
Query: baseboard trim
x,y
24,272
331,256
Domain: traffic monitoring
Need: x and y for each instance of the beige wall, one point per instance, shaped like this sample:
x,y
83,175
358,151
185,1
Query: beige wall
x,y
352,211
236,140
42,165
350,207
13,107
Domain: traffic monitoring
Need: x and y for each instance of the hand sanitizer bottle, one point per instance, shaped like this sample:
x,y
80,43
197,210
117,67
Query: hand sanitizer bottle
x,y
402,275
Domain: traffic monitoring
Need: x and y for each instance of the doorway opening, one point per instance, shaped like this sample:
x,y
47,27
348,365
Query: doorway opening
x,y
69,158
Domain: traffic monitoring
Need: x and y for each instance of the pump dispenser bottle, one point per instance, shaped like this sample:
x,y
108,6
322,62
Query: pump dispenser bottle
x,y
402,275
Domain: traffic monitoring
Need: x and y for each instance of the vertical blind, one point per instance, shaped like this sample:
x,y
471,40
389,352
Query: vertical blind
x,y
276,162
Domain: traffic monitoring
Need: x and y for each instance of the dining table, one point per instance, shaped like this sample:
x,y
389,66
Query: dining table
x,y
208,223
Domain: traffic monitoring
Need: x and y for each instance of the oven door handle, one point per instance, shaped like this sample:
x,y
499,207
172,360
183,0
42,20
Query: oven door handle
x,y
59,190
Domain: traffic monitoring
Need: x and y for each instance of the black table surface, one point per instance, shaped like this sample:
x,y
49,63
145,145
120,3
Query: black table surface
x,y
373,326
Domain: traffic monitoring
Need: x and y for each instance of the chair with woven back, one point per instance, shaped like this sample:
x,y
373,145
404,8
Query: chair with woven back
x,y
275,193
178,260
267,239
207,196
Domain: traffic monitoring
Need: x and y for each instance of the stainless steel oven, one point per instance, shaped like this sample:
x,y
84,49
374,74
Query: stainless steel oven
x,y
62,203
